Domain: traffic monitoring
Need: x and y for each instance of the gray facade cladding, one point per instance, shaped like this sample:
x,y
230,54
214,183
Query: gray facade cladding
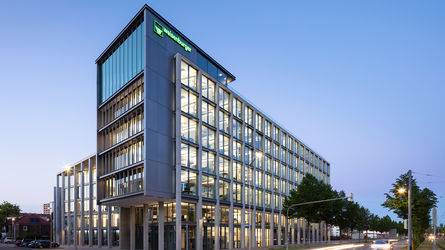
x,y
184,160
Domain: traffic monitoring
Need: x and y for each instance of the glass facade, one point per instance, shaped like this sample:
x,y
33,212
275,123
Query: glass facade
x,y
124,63
81,217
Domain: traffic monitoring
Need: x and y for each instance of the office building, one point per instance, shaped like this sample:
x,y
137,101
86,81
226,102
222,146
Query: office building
x,y
186,160
47,208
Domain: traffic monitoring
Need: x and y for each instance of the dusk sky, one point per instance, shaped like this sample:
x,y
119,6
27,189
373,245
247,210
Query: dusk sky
x,y
361,82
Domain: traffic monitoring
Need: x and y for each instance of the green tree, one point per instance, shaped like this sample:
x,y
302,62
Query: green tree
x,y
7,210
312,189
422,201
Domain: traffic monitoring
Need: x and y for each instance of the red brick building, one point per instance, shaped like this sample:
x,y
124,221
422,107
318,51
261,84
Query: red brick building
x,y
30,226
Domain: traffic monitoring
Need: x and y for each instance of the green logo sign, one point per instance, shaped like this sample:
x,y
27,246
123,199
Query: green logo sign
x,y
160,30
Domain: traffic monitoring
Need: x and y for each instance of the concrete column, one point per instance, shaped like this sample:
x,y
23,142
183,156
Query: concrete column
x,y
75,205
272,223
298,231
199,221
279,230
263,227
124,228
82,198
110,241
328,234
132,228
313,233
145,221
99,226
231,219
161,226
304,231
217,222
293,232
90,203
243,220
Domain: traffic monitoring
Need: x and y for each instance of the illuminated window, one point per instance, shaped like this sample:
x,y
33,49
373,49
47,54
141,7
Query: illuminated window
x,y
237,108
208,89
224,122
189,130
208,113
188,182
188,156
189,102
188,76
208,162
208,137
224,99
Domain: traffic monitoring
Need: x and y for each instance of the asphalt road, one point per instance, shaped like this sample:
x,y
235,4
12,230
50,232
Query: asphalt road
x,y
8,246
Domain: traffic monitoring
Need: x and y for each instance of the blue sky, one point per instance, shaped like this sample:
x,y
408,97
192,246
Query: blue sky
x,y
361,82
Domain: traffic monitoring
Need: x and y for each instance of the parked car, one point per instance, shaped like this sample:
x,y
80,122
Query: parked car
x,y
18,243
9,240
42,244
25,242
54,244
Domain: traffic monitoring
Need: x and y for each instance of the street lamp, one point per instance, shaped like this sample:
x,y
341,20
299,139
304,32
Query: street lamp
x,y
401,191
258,155
13,227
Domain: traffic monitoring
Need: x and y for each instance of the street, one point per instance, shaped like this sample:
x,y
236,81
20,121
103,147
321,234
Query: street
x,y
362,246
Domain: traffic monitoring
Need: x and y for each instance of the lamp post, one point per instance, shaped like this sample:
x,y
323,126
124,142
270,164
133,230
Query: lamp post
x,y
257,155
13,227
307,203
401,191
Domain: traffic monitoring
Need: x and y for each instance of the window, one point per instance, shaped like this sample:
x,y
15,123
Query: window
x,y
189,129
268,182
224,122
268,147
224,144
268,128
208,162
259,179
259,198
258,141
208,137
249,175
224,99
208,186
237,171
208,89
188,76
237,108
224,193
268,164
188,182
248,135
237,192
224,167
276,133
259,122
189,102
237,129
247,155
237,151
208,113
249,116
188,156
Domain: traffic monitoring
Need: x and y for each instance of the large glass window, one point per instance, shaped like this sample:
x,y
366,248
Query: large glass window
x,y
237,150
224,167
189,129
237,192
237,171
208,162
123,64
248,135
208,113
249,116
208,186
224,144
258,141
224,99
208,89
259,122
189,76
237,129
268,128
189,182
189,156
224,193
237,108
189,102
224,122
208,137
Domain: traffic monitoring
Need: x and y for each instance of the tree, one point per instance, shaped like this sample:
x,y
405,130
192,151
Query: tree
x,y
7,210
312,189
423,200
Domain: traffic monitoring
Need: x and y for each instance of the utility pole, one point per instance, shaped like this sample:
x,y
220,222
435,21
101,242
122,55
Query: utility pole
x,y
410,236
